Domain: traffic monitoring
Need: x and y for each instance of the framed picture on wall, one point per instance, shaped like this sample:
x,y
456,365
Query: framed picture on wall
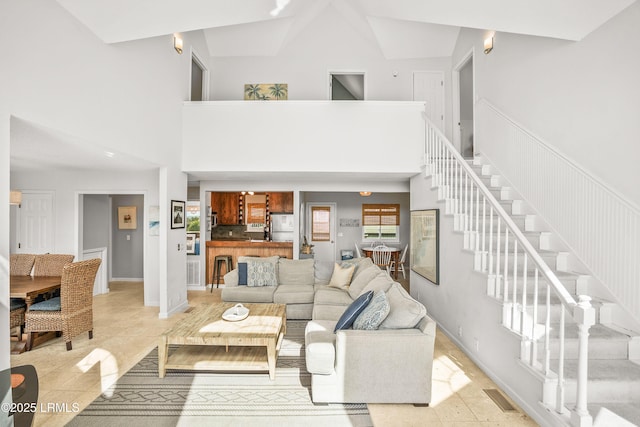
x,y
178,214
127,219
424,243
191,243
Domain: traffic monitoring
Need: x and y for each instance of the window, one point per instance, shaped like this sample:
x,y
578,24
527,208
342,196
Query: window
x,y
320,223
381,222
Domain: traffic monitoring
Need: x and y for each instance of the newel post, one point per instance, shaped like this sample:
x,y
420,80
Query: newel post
x,y
585,316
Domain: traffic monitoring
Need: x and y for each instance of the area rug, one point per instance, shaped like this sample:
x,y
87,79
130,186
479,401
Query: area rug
x,y
185,398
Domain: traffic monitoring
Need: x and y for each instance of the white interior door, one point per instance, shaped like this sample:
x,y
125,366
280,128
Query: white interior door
x,y
321,231
35,223
428,86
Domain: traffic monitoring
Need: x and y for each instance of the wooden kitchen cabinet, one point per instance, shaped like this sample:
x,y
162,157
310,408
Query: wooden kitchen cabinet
x,y
281,202
226,205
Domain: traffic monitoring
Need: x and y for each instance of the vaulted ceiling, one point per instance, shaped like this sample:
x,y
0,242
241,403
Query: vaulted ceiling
x,y
399,27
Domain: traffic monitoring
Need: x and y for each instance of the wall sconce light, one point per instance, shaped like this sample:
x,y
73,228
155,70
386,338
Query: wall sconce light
x,y
177,44
365,193
488,45
15,197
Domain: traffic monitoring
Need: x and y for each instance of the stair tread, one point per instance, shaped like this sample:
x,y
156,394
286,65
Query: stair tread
x,y
630,411
603,369
596,332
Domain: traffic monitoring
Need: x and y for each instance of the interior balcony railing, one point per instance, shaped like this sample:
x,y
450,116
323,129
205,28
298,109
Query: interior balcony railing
x,y
516,274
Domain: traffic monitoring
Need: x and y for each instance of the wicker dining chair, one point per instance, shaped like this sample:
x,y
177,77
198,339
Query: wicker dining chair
x,y
21,264
72,311
16,314
50,264
382,257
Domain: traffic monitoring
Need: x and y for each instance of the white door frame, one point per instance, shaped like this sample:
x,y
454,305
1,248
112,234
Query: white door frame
x,y
456,96
195,56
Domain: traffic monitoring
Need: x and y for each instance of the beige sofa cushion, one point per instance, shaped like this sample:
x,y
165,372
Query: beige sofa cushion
x,y
360,264
326,295
405,312
362,279
260,294
231,278
293,294
381,282
296,272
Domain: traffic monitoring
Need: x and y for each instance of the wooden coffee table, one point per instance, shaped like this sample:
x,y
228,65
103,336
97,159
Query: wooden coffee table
x,y
209,343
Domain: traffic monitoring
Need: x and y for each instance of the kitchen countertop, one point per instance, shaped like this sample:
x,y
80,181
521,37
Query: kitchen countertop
x,y
245,243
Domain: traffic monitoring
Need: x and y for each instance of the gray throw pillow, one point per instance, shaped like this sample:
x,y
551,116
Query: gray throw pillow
x,y
374,313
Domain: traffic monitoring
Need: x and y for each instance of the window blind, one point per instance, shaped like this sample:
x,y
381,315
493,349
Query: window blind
x,y
320,223
381,214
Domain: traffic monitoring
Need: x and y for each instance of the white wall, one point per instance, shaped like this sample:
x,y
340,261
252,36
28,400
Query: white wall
x,y
582,97
127,253
304,64
460,302
96,221
295,136
125,97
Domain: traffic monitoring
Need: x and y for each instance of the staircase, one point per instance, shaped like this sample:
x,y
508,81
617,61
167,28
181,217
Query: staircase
x,y
566,337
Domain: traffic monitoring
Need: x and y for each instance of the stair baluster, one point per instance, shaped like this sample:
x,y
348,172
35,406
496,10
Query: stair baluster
x,y
463,192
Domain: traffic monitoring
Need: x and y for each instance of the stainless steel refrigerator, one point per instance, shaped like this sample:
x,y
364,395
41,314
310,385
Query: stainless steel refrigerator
x,y
282,227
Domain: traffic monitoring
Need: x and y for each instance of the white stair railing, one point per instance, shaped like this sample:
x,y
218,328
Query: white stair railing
x,y
606,239
512,265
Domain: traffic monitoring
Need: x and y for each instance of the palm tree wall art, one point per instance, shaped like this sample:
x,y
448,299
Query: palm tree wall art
x,y
266,91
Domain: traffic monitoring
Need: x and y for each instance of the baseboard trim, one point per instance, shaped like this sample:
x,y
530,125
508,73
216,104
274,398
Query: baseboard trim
x,y
127,279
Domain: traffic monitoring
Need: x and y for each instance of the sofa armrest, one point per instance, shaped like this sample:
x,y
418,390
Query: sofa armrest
x,y
231,279
387,362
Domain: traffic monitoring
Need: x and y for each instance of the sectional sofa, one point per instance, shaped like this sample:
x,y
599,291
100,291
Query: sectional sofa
x,y
367,339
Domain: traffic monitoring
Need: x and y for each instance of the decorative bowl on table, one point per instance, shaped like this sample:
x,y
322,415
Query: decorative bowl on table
x,y
235,313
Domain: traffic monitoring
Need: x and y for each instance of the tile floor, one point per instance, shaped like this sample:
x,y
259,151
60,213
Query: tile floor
x,y
125,331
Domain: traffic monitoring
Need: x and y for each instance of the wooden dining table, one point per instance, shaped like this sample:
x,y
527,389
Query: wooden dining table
x,y
29,288
395,257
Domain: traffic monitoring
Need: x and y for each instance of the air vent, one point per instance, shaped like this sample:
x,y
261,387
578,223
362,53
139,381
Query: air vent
x,y
193,272
499,400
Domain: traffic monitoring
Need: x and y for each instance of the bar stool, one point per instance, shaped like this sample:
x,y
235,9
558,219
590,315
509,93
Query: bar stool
x,y
217,262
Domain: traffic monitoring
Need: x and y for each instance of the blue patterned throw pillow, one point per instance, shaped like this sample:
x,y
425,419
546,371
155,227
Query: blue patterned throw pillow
x,y
374,313
262,272
353,311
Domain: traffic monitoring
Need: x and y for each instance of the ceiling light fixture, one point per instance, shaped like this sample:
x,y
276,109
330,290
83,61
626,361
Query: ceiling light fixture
x,y
488,45
177,43
365,193
15,197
